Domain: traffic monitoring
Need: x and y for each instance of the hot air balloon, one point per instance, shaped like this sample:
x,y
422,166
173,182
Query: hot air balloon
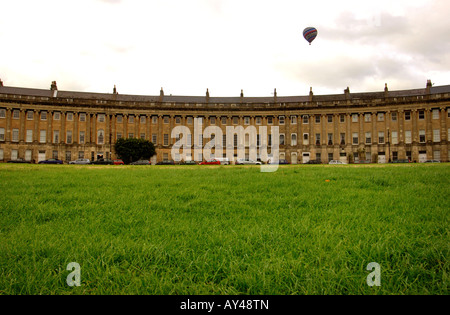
x,y
309,34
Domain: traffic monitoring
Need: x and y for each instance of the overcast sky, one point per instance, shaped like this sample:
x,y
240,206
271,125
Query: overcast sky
x,y
187,46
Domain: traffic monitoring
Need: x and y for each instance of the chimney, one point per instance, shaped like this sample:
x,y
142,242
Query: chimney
x,y
429,85
53,87
161,95
1,82
242,95
311,94
115,90
275,95
207,95
386,90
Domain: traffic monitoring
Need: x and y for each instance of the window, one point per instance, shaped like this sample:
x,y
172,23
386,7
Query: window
x,y
166,139
68,156
119,119
408,136
281,139
235,120
56,136
342,138
421,114
30,115
330,139
189,120
258,120
130,135
15,135
437,155
341,118
82,137
422,136
367,117
355,138
143,119
69,116
118,135
224,120
355,118
246,120
294,139
82,116
381,137
100,136
380,116
165,157
142,136
305,119
317,119
2,114
212,120
154,138
394,137
29,137
269,140
395,155
317,138
43,115
270,120
69,136
435,114
16,114
394,116
235,140
330,156
2,134
407,115
178,120
293,120
330,118
131,119
55,154
281,120
166,119
305,138
436,135
14,154
42,136
368,137
318,157
56,115
81,154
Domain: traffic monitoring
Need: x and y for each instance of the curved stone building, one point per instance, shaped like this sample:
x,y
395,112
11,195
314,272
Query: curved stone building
x,y
37,124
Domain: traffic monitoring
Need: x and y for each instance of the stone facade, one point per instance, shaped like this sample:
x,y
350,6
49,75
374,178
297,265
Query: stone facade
x,y
37,124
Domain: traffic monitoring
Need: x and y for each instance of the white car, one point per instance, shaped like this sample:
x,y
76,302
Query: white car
x,y
248,162
336,162
80,161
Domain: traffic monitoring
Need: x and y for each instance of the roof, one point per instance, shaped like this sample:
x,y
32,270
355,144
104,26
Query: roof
x,y
218,100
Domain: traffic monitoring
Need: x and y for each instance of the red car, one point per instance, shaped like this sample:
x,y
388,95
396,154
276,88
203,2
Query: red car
x,y
118,162
211,162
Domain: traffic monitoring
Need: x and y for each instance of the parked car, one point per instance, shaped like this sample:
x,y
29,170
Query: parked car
x,y
210,162
118,162
314,162
141,162
190,162
166,163
336,162
247,162
19,161
432,161
401,161
283,162
223,160
81,161
51,161
103,162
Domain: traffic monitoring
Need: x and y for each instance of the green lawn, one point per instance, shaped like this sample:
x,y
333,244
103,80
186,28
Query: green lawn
x,y
224,229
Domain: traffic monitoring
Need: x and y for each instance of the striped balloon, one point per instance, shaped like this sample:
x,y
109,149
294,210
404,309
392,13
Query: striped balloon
x,y
309,34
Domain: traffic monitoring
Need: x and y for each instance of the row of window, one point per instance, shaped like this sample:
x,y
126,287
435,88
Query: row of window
x,y
435,113
394,137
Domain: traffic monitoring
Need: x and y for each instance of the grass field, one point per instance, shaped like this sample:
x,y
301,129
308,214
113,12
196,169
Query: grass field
x,y
224,229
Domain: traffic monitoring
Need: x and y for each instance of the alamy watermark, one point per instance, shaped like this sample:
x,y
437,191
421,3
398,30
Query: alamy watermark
x,y
250,144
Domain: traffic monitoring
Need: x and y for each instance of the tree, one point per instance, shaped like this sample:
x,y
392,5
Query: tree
x,y
130,150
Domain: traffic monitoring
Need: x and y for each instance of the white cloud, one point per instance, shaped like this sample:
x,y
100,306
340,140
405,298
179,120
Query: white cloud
x,y
223,45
